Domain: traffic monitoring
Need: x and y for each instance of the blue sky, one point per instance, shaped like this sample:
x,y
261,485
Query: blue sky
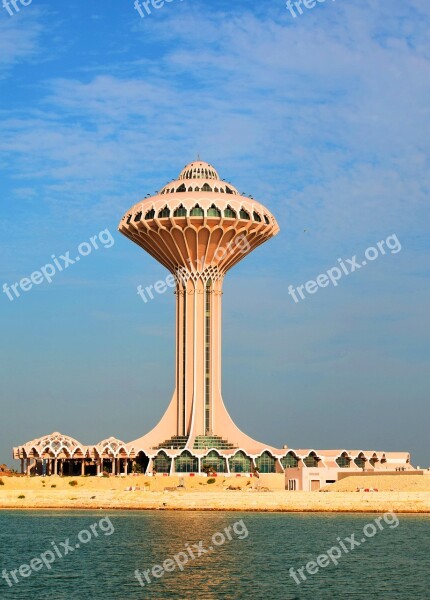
x,y
323,118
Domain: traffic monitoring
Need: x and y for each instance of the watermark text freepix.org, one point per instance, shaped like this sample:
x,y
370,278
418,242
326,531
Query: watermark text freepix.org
x,y
193,551
12,6
346,267
47,272
240,243
60,550
344,547
309,4
146,4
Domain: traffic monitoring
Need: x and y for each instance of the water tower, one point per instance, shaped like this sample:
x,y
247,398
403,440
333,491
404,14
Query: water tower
x,y
198,227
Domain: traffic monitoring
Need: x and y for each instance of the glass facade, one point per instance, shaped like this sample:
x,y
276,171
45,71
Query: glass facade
x,y
311,461
229,213
344,462
213,211
197,212
266,463
186,463
289,461
240,463
161,463
180,211
164,213
215,462
360,461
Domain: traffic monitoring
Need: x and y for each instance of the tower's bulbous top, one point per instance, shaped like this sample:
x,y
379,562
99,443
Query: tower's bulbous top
x,y
198,220
198,170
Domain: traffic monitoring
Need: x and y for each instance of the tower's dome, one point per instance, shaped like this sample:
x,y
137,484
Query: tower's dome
x,y
198,170
198,215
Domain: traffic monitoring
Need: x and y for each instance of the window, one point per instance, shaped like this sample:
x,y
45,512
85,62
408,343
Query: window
x,y
266,219
213,211
360,461
240,463
190,189
164,213
244,215
215,462
312,460
197,211
216,189
138,216
180,212
161,463
343,461
266,463
228,190
182,188
129,219
289,461
186,463
229,213
292,485
206,188
150,214
257,217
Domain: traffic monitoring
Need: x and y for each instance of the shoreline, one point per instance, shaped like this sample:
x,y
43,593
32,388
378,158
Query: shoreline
x,y
402,495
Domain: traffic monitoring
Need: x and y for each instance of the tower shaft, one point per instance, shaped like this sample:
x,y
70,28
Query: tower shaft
x,y
198,354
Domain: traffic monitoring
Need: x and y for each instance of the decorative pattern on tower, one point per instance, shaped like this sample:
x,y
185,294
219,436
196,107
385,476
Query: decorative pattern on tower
x,y
198,227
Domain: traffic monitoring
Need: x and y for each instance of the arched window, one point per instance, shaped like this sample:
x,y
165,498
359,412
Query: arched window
x,y
164,213
213,211
266,219
343,461
190,189
129,219
229,213
360,461
257,217
244,215
180,212
162,462
228,190
216,189
215,462
141,462
240,463
206,188
150,214
186,463
222,190
266,463
182,188
138,216
311,460
290,461
197,211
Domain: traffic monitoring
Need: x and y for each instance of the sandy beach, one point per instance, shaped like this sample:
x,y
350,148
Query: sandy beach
x,y
396,494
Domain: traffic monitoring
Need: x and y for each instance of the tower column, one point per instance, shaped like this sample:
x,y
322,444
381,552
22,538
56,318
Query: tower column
x,y
198,358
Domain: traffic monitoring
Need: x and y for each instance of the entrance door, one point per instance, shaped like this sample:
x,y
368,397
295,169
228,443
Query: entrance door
x,y
315,485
